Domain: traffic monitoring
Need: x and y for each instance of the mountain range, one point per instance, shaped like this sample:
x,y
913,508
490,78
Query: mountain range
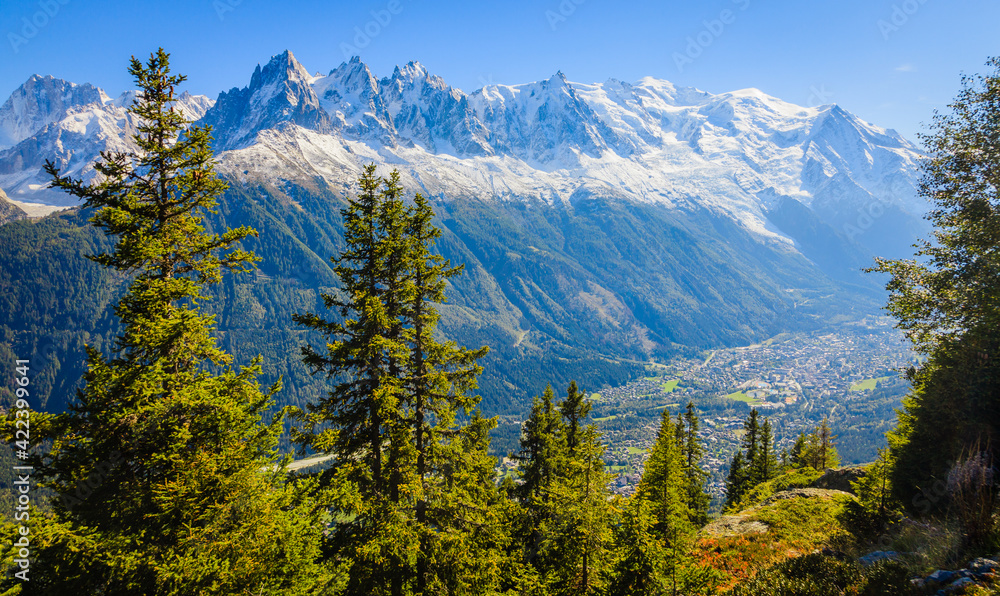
x,y
601,225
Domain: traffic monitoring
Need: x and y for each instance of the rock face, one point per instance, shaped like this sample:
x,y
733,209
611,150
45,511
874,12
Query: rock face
x,y
980,571
41,101
9,211
840,479
69,124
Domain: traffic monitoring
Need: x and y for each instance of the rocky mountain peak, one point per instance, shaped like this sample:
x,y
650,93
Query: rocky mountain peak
x,y
40,101
279,92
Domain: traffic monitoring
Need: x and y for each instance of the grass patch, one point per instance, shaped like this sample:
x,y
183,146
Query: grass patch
x,y
868,384
796,526
743,397
635,450
670,385
605,418
595,397
800,478
664,406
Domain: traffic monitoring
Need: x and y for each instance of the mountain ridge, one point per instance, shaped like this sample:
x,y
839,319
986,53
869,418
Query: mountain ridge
x,y
601,225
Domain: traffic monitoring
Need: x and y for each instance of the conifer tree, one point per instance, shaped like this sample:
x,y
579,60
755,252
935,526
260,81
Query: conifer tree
x,y
656,541
663,484
751,445
574,410
539,443
736,480
423,480
453,471
766,466
755,463
697,499
565,533
177,440
796,455
642,558
575,533
817,449
360,420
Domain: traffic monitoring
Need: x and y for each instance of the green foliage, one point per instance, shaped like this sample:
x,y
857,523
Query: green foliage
x,y
875,510
692,452
167,436
565,530
755,463
425,516
815,450
789,479
946,300
654,540
814,574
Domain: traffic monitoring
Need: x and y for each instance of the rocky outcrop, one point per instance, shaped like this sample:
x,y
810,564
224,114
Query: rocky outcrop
x,y
9,211
743,523
840,479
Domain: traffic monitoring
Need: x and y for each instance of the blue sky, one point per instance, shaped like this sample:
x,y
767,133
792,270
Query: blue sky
x,y
892,62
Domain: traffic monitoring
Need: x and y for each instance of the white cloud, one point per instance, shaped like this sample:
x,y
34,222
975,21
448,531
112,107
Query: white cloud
x,y
906,68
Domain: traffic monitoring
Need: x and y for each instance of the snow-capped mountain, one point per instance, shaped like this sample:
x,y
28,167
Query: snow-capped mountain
x,y
739,153
600,225
48,118
742,153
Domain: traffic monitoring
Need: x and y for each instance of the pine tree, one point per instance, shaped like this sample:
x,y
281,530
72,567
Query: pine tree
x,y
751,447
361,420
797,454
574,410
655,544
565,530
539,439
454,475
736,480
642,558
766,466
170,432
755,463
575,533
697,499
423,479
663,485
817,449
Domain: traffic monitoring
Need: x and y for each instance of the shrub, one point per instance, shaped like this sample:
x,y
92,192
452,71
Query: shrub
x,y
815,574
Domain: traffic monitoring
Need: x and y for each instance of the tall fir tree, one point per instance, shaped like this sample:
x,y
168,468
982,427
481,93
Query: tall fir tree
x,y
766,466
575,533
360,420
174,442
697,499
817,449
452,467
655,541
538,447
755,463
751,444
736,479
422,478
565,530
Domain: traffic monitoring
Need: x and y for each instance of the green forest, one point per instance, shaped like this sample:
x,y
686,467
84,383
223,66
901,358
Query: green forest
x,y
164,473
